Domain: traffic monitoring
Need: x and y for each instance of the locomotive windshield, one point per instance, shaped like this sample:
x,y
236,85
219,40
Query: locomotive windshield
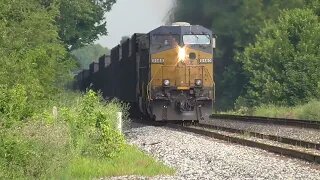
x,y
161,42
196,39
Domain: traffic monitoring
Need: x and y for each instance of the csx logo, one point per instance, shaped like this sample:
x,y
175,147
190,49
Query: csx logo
x,y
157,61
205,61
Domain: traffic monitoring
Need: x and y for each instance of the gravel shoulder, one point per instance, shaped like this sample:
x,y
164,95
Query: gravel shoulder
x,y
305,134
198,157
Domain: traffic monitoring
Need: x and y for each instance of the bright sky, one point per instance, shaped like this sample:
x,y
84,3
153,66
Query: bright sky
x,y
134,16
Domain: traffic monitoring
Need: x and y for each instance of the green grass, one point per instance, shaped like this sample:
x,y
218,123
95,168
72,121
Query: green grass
x,y
275,111
131,161
308,111
73,144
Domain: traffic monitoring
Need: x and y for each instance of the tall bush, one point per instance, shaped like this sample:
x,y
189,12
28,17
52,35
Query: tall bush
x,y
81,126
236,23
93,125
283,65
36,140
33,150
33,60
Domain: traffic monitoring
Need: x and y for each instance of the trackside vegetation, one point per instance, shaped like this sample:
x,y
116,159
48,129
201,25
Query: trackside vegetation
x,y
267,50
46,131
283,69
87,54
80,141
283,65
130,161
308,111
268,58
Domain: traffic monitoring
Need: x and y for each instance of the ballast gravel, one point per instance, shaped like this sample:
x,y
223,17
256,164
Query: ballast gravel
x,y
198,157
304,134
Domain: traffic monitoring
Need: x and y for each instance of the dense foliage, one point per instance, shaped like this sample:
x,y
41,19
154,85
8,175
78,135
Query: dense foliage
x,y
93,125
308,111
80,22
283,64
86,55
42,126
236,23
33,60
41,147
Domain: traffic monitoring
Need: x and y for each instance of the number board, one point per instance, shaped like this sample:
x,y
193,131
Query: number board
x,y
157,61
205,61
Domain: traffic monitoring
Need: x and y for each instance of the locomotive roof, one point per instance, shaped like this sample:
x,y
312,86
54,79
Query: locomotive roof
x,y
193,29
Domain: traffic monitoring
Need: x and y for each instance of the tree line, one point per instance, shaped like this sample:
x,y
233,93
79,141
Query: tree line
x,y
36,38
267,49
43,126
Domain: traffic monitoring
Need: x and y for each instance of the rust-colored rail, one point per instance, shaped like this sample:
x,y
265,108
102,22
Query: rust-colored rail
x,y
285,140
308,156
280,121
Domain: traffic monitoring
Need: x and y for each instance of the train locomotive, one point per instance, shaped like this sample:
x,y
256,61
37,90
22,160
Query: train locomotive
x,y
166,74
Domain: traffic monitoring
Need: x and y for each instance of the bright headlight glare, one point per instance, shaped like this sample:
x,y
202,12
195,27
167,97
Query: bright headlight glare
x,y
181,53
198,82
166,82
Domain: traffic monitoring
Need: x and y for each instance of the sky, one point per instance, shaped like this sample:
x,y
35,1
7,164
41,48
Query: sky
x,y
134,16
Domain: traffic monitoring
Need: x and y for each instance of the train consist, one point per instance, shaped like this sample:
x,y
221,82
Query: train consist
x,y
166,74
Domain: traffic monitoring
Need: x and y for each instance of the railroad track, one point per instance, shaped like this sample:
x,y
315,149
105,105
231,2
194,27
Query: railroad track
x,y
278,121
285,140
284,146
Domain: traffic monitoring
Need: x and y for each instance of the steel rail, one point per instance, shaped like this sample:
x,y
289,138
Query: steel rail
x,y
308,156
285,140
279,121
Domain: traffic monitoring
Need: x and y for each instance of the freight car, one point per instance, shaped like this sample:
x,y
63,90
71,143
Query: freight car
x,y
166,74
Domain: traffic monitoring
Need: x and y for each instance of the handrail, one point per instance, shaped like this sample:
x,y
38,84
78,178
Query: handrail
x,y
148,86
213,84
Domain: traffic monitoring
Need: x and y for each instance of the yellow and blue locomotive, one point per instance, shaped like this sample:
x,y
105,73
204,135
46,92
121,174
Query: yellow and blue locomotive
x,y
166,74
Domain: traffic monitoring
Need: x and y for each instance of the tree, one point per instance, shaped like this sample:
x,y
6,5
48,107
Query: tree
x,y
314,5
33,59
88,54
283,65
236,23
81,22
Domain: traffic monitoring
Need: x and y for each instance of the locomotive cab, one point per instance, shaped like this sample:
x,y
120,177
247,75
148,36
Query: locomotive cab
x,y
181,80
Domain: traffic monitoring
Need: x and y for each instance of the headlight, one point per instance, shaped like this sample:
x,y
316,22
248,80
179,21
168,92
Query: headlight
x,y
181,53
198,82
166,82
